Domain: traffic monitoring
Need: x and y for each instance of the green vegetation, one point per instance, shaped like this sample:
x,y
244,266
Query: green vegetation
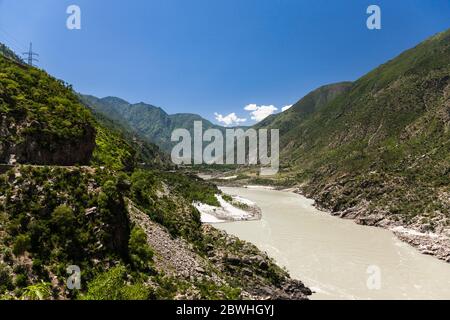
x,y
8,53
212,291
174,212
120,148
40,113
43,122
141,255
58,217
102,216
22,243
53,217
227,198
6,283
40,291
194,188
382,141
112,285
235,203
149,122
61,217
112,151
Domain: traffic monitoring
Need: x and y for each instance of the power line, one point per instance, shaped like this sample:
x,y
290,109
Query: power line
x,y
31,55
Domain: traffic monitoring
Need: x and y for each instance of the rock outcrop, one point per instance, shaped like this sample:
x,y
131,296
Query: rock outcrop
x,y
28,143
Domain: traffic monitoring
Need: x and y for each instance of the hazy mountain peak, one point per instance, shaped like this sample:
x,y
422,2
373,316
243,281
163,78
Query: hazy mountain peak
x,y
114,101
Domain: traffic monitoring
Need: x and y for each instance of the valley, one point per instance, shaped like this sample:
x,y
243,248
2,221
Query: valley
x,y
88,192
89,182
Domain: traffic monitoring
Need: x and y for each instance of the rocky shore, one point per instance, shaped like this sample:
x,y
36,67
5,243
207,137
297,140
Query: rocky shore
x,y
427,243
435,243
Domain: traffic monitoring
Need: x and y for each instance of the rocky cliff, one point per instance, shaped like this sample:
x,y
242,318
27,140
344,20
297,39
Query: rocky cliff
x,y
41,121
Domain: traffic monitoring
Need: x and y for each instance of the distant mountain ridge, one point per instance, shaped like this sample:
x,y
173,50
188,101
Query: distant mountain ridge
x,y
150,122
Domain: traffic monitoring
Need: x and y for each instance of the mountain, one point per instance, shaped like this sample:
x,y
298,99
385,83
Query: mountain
x,y
42,122
115,136
150,122
76,196
378,149
288,121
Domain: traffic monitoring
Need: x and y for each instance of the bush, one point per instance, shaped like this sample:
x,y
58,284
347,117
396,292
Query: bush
x,y
193,188
21,244
40,291
38,267
141,254
63,219
227,198
212,291
5,279
112,286
21,280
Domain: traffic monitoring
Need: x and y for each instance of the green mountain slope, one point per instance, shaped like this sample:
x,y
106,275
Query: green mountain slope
x,y
133,236
41,120
149,122
119,147
378,149
288,121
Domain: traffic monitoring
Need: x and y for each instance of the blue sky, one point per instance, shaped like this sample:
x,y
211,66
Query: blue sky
x,y
216,56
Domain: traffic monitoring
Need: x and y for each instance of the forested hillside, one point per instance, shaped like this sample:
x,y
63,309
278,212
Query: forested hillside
x,y
82,190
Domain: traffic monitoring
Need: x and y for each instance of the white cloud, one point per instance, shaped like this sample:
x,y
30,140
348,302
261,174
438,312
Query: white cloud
x,y
259,113
251,107
231,119
286,108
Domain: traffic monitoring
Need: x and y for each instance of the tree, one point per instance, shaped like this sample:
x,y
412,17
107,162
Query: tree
x,y
140,253
21,244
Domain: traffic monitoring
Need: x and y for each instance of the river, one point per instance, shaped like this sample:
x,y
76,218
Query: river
x,y
337,258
